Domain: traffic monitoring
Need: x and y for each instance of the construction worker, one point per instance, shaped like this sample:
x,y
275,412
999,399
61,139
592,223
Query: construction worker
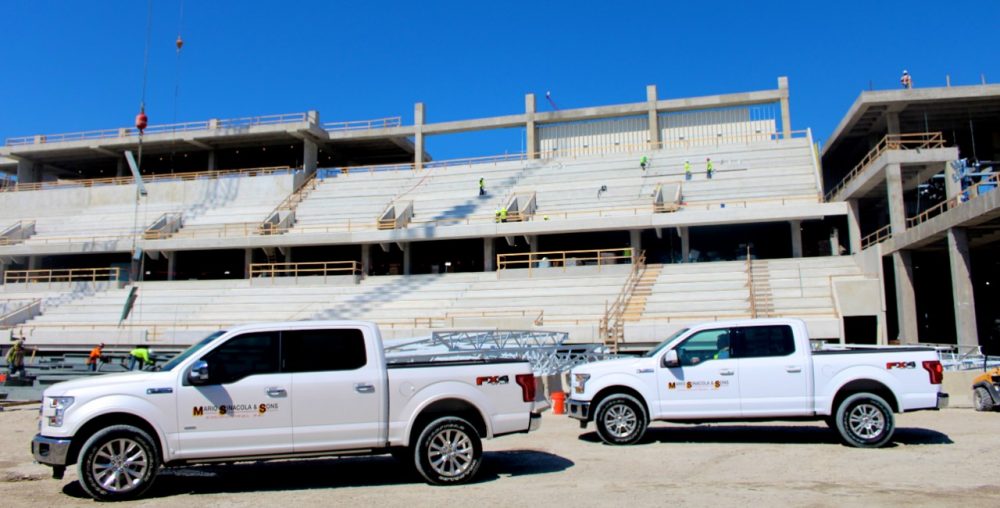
x,y
722,344
96,355
496,215
15,358
139,357
643,161
482,187
503,214
906,80
709,169
687,170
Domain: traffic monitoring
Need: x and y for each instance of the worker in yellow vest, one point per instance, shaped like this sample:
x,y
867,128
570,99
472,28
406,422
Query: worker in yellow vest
x,y
709,169
687,170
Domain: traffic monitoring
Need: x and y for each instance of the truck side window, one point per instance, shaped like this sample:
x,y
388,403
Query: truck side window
x,y
761,341
242,356
704,345
323,350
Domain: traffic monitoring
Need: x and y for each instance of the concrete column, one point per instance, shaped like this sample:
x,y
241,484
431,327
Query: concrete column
x,y
834,242
786,114
120,166
654,124
310,156
211,161
531,130
635,242
247,260
366,258
28,172
418,136
406,258
906,300
172,264
533,243
288,254
796,227
33,262
854,225
952,182
489,255
3,269
892,123
897,207
961,288
685,245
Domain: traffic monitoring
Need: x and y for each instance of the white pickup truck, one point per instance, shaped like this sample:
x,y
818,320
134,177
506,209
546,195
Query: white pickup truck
x,y
282,390
758,369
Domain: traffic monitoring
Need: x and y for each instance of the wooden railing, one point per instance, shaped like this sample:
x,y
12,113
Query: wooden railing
x,y
306,269
879,236
128,180
103,274
750,288
918,140
537,315
530,260
612,326
272,225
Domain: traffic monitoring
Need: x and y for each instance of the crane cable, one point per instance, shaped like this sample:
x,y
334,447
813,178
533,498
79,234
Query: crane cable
x,y
177,80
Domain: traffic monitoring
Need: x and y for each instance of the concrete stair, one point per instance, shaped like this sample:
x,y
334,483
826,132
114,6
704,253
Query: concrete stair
x,y
636,304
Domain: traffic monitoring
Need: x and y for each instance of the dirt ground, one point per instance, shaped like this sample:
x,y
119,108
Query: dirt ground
x,y
945,458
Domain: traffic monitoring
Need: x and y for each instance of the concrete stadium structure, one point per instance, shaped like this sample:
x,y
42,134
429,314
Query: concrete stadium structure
x,y
286,217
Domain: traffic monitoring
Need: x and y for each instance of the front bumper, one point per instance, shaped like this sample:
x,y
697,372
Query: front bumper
x,y
50,451
578,409
942,400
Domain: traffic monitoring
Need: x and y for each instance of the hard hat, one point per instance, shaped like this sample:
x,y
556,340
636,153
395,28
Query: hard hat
x,y
905,71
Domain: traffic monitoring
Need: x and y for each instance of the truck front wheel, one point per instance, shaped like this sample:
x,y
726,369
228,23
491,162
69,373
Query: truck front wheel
x,y
621,419
448,451
118,463
865,420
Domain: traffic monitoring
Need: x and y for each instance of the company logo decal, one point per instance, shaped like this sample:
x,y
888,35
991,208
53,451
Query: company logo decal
x,y
492,380
700,385
234,410
900,365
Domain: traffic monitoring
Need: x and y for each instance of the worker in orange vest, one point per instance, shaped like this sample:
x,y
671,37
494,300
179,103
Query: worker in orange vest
x,y
96,355
906,80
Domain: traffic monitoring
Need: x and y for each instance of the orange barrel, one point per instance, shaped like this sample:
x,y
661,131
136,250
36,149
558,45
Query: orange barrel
x,y
559,403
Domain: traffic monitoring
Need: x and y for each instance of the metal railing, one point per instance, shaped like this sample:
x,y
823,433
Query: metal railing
x,y
362,125
102,274
913,141
612,326
306,269
124,132
987,184
530,260
128,180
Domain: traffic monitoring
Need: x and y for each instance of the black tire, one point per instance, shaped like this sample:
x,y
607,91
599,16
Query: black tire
x,y
118,463
621,419
448,452
982,400
865,420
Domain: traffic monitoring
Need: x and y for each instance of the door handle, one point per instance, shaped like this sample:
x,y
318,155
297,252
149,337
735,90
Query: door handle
x,y
793,368
727,372
364,388
274,391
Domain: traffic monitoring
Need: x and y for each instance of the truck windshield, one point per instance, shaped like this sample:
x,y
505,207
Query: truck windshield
x,y
668,340
190,351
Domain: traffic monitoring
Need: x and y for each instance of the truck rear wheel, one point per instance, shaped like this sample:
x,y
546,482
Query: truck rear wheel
x,y
981,399
118,463
448,451
621,419
865,420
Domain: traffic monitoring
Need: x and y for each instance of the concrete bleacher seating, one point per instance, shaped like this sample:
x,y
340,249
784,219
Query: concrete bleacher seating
x,y
110,211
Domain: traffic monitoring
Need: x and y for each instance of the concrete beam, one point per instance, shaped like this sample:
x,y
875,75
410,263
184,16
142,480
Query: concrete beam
x,y
979,210
786,113
920,164
961,288
906,301
198,144
105,151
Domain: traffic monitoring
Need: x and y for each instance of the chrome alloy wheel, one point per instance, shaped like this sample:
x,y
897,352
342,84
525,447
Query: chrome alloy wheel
x,y
620,420
450,453
120,465
866,421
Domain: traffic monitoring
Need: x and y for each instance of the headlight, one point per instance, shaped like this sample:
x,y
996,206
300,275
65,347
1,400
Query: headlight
x,y
580,382
56,409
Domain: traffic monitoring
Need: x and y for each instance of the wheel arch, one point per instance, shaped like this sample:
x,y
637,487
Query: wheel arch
x,y
865,386
614,390
106,420
448,407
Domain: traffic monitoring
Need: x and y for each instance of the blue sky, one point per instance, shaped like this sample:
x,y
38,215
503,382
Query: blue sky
x,y
70,66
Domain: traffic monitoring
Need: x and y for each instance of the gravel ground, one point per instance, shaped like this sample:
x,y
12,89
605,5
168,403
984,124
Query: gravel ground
x,y
944,458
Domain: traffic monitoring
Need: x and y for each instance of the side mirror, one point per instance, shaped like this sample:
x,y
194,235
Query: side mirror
x,y
198,375
670,359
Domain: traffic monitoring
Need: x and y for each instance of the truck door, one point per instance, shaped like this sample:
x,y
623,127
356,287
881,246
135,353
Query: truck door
x,y
705,384
339,389
243,408
774,378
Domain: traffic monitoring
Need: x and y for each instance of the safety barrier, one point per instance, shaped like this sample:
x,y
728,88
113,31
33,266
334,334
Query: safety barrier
x,y
913,141
612,326
362,125
103,274
306,269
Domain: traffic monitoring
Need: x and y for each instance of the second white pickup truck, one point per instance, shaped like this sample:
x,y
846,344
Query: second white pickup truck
x,y
759,369
282,390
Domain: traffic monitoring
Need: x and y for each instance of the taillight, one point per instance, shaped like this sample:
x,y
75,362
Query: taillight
x,y
936,371
527,383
